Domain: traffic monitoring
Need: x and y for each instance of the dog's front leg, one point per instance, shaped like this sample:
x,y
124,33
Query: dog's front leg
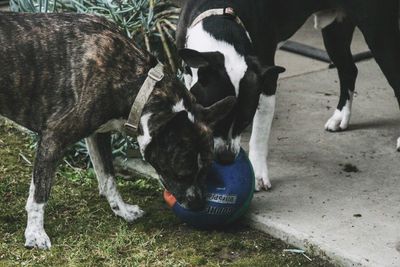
x,y
47,156
99,146
35,236
259,140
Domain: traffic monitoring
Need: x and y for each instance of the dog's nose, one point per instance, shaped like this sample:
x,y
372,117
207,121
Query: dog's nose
x,y
195,199
225,157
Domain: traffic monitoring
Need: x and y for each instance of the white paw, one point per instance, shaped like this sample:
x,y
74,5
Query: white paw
x,y
262,182
36,238
398,144
128,212
261,173
339,120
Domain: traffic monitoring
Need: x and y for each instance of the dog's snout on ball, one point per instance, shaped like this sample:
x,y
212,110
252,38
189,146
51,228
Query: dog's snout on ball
x,y
225,156
195,198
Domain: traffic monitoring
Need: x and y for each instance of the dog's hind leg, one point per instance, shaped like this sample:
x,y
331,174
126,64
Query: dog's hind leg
x,y
99,146
48,153
337,39
379,24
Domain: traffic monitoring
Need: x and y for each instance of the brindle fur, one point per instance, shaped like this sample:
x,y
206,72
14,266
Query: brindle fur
x,y
65,75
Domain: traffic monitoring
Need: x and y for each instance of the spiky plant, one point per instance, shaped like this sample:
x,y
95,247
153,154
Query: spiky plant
x,y
151,24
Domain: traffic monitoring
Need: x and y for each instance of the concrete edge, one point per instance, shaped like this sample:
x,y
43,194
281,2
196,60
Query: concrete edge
x,y
4,120
312,245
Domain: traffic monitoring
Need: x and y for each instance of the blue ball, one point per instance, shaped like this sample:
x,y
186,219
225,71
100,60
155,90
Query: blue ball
x,y
229,193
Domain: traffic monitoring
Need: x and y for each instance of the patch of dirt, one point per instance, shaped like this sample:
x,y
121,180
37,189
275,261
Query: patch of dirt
x,y
350,168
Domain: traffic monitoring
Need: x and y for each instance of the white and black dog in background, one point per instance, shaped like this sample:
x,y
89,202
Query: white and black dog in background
x,y
230,46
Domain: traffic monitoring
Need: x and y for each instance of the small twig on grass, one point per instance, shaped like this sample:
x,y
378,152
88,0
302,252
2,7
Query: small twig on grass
x,y
77,170
299,251
308,258
25,159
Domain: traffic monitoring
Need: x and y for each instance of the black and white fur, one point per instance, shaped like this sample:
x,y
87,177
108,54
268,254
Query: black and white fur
x,y
269,22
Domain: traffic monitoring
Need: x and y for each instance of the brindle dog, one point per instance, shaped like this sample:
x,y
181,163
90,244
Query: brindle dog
x,y
68,77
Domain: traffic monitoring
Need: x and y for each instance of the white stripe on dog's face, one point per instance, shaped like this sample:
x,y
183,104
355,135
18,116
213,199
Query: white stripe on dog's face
x,y
179,106
144,139
194,78
235,64
188,80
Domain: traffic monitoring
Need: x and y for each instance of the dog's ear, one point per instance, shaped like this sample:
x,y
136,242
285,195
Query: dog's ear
x,y
217,111
163,119
196,59
273,70
269,78
267,75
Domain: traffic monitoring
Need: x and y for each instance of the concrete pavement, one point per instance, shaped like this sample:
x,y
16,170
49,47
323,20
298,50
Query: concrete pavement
x,y
334,194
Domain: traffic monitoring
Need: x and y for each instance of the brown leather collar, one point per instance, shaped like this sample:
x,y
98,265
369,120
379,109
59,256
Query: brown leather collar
x,y
154,75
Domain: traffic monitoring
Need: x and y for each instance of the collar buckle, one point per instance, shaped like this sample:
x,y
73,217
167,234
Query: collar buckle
x,y
229,11
156,74
131,129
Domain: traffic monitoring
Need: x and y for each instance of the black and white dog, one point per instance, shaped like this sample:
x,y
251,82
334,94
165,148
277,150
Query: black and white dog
x,y
230,45
70,76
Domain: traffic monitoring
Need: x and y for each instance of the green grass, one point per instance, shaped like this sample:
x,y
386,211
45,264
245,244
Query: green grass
x,y
84,231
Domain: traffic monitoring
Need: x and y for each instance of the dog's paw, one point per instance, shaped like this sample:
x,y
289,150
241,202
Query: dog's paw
x,y
37,238
128,212
262,183
260,172
339,120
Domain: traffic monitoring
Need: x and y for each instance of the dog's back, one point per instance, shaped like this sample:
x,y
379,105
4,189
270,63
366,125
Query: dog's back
x,y
48,60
